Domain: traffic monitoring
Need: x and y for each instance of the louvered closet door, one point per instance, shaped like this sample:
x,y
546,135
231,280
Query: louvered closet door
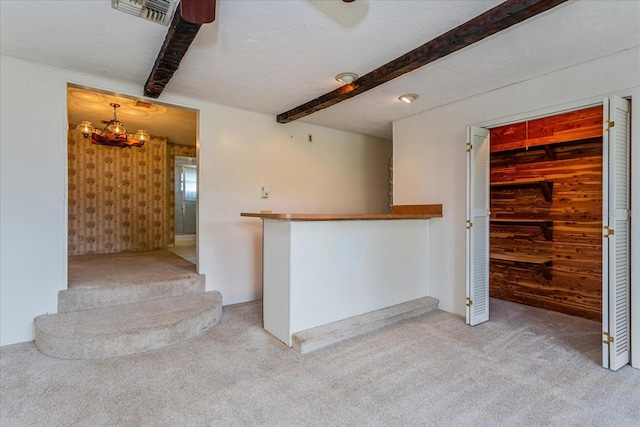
x,y
477,310
615,247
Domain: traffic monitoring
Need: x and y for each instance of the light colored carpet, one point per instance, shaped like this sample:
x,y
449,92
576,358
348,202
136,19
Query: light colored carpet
x,y
126,268
121,278
526,367
125,303
127,328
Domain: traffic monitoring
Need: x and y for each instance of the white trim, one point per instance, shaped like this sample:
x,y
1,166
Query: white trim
x,y
198,192
592,101
635,226
65,194
184,239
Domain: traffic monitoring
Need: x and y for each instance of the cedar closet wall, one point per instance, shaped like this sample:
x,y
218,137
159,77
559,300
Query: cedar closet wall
x,y
546,213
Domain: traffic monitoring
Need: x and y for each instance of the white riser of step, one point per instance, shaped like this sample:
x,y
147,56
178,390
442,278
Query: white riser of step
x,y
127,329
332,333
87,297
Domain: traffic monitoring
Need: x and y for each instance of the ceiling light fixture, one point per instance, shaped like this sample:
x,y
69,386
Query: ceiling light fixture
x,y
408,98
114,133
346,78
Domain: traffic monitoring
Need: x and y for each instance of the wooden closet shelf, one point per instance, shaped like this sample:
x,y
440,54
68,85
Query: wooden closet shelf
x,y
542,262
544,224
548,149
544,185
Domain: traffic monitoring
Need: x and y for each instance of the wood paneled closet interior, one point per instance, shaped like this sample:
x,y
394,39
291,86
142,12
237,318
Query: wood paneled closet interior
x,y
546,212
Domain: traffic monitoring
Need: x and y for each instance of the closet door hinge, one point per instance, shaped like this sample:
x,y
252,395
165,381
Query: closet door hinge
x,y
469,224
469,303
469,146
608,339
608,124
607,232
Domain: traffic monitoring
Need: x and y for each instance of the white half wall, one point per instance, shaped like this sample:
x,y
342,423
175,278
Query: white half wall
x,y
430,159
238,152
341,269
320,272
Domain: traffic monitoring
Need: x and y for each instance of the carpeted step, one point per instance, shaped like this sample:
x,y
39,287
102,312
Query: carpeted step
x,y
124,292
127,329
322,336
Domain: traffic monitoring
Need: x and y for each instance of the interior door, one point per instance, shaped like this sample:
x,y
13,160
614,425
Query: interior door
x,y
477,292
186,197
190,199
615,242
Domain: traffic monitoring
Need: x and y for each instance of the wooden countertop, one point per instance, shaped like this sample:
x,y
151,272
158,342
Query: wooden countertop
x,y
426,212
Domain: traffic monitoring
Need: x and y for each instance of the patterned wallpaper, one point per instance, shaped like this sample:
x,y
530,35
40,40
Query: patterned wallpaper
x,y
174,150
117,196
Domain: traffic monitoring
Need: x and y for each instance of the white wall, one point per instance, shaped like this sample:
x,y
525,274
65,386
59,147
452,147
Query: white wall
x,y
430,164
338,172
238,152
32,197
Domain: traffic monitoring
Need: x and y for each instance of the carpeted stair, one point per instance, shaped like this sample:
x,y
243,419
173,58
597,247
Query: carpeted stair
x,y
128,328
119,304
87,297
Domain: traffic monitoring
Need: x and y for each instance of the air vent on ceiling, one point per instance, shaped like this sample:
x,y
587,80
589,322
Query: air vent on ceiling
x,y
142,104
158,11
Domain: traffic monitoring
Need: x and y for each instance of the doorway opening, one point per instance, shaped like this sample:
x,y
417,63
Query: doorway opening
x,y
546,197
561,209
185,199
121,199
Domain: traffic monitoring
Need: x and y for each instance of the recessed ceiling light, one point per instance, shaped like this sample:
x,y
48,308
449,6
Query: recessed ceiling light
x,y
408,98
346,78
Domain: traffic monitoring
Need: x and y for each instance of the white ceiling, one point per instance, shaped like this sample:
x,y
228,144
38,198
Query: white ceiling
x,y
270,56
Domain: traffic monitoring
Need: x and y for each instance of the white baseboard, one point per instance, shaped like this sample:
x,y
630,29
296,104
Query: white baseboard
x,y
185,239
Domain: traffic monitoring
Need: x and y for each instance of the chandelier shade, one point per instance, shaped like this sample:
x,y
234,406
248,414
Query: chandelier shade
x,y
141,135
86,128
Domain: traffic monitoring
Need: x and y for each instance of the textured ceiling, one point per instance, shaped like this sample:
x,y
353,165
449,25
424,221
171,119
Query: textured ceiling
x,y
270,56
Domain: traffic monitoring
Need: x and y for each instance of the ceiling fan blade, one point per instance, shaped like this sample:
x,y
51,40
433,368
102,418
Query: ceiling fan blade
x,y
198,11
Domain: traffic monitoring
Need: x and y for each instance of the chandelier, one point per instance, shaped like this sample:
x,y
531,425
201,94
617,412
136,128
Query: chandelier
x,y
114,133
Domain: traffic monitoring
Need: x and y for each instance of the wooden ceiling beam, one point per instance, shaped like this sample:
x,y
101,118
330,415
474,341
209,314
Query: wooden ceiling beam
x,y
179,37
499,18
